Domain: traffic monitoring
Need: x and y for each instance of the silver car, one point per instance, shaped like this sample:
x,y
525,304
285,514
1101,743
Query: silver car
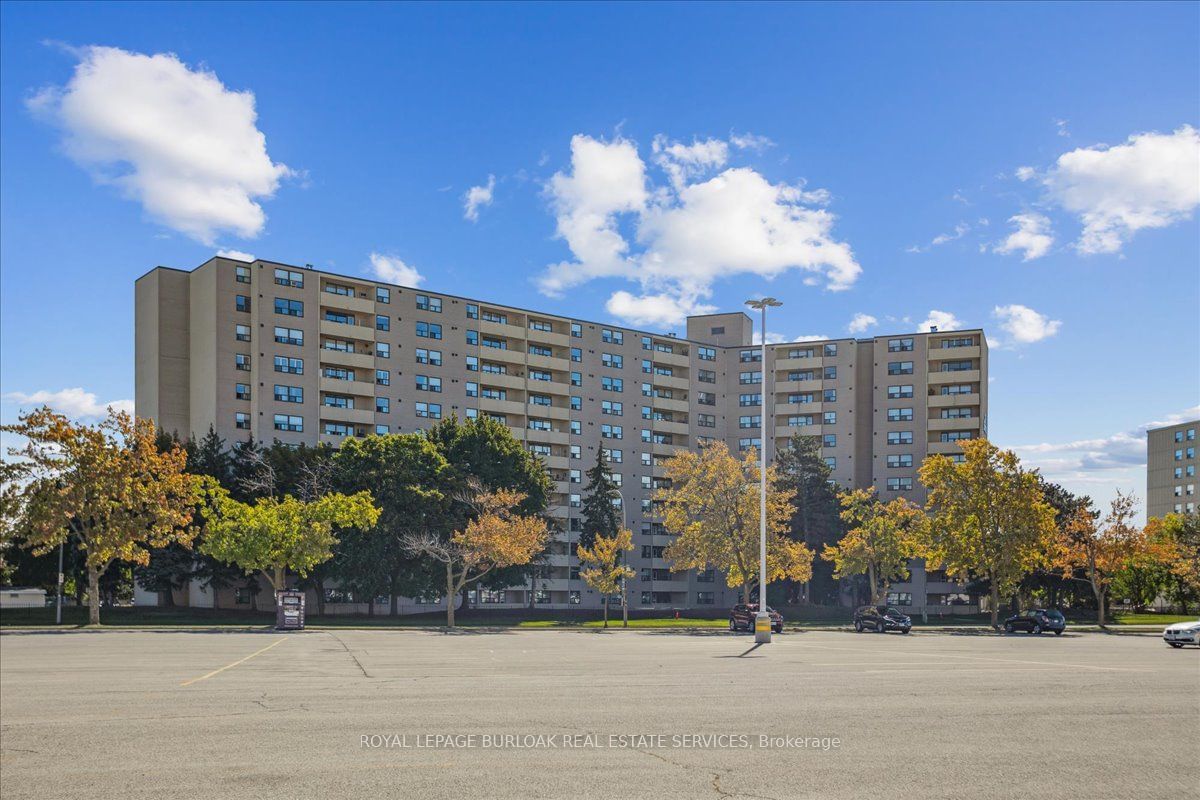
x,y
1182,633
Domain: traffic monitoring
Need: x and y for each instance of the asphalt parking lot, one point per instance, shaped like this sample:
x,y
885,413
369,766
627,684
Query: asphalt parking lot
x,y
357,713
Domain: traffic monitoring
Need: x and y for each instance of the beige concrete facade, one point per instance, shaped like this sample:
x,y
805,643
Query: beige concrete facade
x,y
1171,467
276,351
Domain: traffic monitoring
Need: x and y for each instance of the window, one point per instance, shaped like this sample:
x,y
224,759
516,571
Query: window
x,y
337,373
717,331
472,364
647,367
494,343
829,396
899,414
750,377
611,431
706,376
900,437
830,350
612,361
958,388
576,427
800,352
241,361
383,295
957,436
612,337
750,421
576,354
496,317
340,317
900,392
900,345
706,398
241,391
289,335
705,598
287,277
900,368
242,303
899,598
748,356
472,311
538,424
473,338
899,484
900,460
614,456
241,421
429,330
750,400
472,389
829,418
829,440
383,323
612,408
746,444
575,451
428,384
289,394
706,353
337,401
576,330
339,289
294,366
957,413
382,349
829,373
539,400
576,403
577,379
801,375
957,366
494,369
801,398
961,341
800,420
383,377
706,420
241,274
382,405
289,308
432,357
242,333
575,501
289,422
540,375
430,410
612,384
540,325
427,303
382,430
337,429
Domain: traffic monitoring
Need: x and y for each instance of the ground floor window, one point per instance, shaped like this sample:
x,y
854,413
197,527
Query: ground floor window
x,y
704,598
899,598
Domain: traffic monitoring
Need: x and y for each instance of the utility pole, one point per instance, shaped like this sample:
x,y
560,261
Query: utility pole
x,y
762,620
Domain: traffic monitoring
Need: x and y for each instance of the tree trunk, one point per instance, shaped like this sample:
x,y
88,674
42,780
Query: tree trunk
x,y
746,592
995,604
1099,592
393,605
168,598
280,579
624,606
604,600
874,586
93,595
450,593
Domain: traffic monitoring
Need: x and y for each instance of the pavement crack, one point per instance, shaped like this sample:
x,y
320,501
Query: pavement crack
x,y
350,653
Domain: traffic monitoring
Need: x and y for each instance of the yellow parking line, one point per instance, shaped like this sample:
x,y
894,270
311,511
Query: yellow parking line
x,y
234,664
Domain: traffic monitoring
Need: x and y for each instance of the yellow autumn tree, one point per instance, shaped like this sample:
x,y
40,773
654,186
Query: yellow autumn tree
x,y
106,488
881,539
607,571
988,517
1178,539
496,536
712,505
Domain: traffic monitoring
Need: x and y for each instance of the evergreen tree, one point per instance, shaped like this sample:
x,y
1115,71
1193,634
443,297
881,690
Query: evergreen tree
x,y
600,516
816,521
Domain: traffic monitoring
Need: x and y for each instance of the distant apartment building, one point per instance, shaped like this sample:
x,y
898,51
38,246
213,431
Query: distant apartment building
x,y
273,351
1171,469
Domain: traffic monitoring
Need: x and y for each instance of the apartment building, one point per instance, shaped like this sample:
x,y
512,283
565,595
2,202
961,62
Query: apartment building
x,y
1171,469
275,351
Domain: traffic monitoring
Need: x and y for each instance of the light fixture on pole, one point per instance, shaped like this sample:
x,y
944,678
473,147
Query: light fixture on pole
x,y
762,620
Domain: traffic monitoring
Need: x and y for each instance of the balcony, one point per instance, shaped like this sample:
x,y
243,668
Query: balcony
x,y
795,409
547,437
506,407
668,450
671,359
547,337
340,358
501,329
669,404
671,381
501,381
359,305
560,413
342,330
550,387
357,388
953,353
331,440
782,364
356,416
814,385
558,512
944,448
549,362
953,400
558,462
664,426
502,356
959,376
960,424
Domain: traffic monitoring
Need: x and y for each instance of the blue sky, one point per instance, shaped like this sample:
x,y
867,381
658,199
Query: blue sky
x,y
1031,169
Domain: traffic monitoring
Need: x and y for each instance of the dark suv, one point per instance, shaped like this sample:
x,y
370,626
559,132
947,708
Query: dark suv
x,y
1036,620
741,618
881,619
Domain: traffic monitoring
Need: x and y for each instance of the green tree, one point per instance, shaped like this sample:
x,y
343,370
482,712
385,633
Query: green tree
x,y
273,536
410,481
600,515
168,569
107,487
1180,532
816,520
988,517
881,539
606,571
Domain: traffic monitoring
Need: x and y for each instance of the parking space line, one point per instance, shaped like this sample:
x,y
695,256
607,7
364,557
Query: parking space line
x,y
235,663
1002,660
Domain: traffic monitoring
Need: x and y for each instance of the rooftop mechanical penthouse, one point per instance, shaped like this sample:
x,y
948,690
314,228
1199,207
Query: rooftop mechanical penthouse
x,y
303,356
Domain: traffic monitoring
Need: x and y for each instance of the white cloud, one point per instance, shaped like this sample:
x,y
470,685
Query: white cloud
x,y
812,337
1025,325
392,269
684,235
750,141
476,197
1032,237
75,403
1151,181
236,255
942,320
772,338
942,238
661,310
172,138
861,322
1026,173
1061,127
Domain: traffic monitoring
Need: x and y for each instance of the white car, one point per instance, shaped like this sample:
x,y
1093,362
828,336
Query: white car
x,y
1182,633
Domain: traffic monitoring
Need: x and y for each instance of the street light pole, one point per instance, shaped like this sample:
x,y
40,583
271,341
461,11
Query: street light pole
x,y
762,620
624,589
58,605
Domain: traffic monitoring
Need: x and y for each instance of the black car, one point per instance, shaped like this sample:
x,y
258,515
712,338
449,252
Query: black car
x,y
741,617
1036,620
881,619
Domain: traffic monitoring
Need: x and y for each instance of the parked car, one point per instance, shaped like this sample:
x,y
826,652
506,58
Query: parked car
x,y
1182,633
741,617
1036,620
881,619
